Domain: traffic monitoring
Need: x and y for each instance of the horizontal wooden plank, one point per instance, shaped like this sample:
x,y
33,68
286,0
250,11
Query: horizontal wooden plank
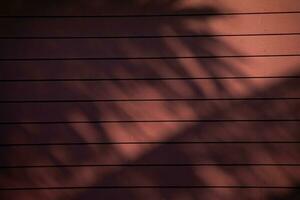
x,y
160,176
113,27
137,7
174,68
148,111
148,154
149,89
150,132
111,48
152,193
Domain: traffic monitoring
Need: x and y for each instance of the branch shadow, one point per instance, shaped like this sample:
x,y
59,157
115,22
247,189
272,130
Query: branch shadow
x,y
185,163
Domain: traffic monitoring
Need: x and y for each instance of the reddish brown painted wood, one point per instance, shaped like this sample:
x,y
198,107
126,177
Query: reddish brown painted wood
x,y
169,47
174,68
248,142
147,175
150,132
113,27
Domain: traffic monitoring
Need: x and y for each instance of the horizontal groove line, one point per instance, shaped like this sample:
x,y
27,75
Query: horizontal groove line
x,y
148,58
154,165
150,15
147,36
153,187
147,79
153,142
148,100
150,121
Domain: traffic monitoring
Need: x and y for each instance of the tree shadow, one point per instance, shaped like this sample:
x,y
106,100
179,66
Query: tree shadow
x,y
158,157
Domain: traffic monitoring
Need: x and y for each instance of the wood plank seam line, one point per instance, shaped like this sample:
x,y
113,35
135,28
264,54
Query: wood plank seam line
x,y
152,165
149,121
146,143
146,100
147,36
148,57
149,78
152,15
153,187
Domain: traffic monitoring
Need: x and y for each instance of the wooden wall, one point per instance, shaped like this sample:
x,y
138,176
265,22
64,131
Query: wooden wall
x,y
142,99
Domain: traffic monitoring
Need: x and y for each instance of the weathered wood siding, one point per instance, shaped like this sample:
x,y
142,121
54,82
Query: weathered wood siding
x,y
142,99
